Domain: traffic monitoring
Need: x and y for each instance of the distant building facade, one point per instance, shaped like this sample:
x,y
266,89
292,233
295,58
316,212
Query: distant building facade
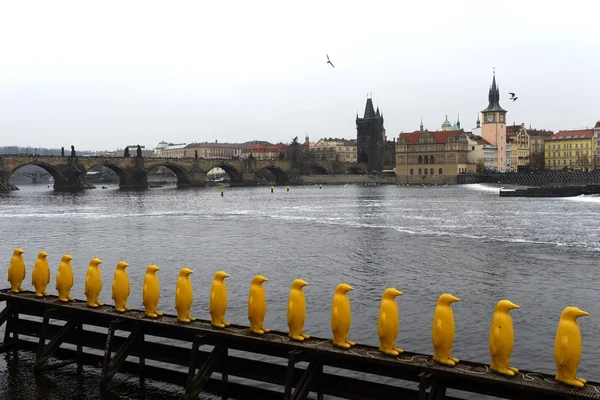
x,y
520,147
335,150
370,138
571,150
263,152
537,137
210,150
597,143
494,125
490,157
438,157
174,151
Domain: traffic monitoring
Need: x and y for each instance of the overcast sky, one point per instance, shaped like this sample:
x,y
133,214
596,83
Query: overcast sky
x,y
106,74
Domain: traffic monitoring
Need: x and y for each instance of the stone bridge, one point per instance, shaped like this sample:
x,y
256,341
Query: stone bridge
x,y
69,172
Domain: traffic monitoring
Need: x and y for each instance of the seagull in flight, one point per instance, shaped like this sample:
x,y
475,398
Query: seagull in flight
x,y
328,61
512,96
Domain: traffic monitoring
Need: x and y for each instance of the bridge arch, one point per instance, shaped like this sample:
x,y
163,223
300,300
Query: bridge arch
x,y
182,174
318,169
53,171
356,170
280,176
234,174
124,176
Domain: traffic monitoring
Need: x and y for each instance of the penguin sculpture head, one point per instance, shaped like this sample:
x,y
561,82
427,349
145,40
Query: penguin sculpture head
x,y
122,265
572,313
259,279
506,306
18,252
221,275
299,284
66,258
185,272
42,254
152,268
446,299
343,288
94,262
391,293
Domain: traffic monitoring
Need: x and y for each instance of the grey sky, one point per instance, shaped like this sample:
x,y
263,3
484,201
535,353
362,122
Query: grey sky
x,y
126,72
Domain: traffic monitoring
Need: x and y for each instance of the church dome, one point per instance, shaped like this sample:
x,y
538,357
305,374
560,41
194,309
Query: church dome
x,y
446,123
597,124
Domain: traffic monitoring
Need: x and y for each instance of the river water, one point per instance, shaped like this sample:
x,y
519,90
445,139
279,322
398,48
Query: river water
x,y
540,253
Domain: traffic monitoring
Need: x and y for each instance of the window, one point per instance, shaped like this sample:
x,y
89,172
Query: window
x,y
420,171
440,172
426,160
412,171
431,171
425,171
420,161
431,159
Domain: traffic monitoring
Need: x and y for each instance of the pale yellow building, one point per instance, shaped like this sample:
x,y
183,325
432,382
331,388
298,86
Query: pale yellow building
x,y
520,146
438,157
570,150
335,149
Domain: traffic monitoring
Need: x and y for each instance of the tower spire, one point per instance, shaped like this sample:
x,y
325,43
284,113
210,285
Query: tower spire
x,y
421,124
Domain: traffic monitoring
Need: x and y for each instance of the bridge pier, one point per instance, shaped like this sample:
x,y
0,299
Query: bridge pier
x,y
5,185
197,178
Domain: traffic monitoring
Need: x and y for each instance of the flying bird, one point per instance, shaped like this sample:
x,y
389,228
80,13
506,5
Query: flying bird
x,y
328,61
512,96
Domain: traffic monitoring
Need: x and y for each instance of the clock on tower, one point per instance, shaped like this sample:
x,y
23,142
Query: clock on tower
x,y
490,118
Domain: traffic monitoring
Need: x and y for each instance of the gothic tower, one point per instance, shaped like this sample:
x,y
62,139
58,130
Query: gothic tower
x,y
370,138
494,124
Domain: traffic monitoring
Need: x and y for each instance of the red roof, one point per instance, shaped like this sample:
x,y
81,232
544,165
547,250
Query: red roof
x,y
512,129
438,136
577,134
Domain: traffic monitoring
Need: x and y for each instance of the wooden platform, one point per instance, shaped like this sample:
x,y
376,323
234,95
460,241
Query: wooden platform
x,y
429,379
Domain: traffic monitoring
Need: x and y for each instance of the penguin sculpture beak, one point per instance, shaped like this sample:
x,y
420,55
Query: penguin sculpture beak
x,y
68,257
303,283
581,313
43,254
514,306
19,251
454,299
397,292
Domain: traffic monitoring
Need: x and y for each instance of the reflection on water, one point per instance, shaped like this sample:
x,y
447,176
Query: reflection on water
x,y
540,253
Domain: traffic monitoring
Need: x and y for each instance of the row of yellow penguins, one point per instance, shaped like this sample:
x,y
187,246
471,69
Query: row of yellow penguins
x,y
567,347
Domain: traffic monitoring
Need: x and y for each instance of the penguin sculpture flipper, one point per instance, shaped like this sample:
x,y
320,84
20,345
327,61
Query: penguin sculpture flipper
x,y
290,313
382,324
495,339
250,307
57,278
334,319
564,344
438,332
9,271
87,285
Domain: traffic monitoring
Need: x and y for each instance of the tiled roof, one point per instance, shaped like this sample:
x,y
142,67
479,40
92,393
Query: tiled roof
x,y
571,135
438,136
539,132
512,129
211,145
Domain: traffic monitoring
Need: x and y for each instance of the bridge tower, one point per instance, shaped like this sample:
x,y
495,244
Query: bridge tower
x,y
370,137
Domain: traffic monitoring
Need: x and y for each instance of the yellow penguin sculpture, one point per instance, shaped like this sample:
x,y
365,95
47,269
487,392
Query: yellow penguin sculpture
x,y
64,279
40,276
389,320
218,300
151,292
93,283
567,347
296,312
341,317
442,332
184,296
257,305
16,271
120,287
502,338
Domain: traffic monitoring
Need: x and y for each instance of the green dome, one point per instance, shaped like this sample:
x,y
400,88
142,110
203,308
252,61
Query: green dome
x,y
446,123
